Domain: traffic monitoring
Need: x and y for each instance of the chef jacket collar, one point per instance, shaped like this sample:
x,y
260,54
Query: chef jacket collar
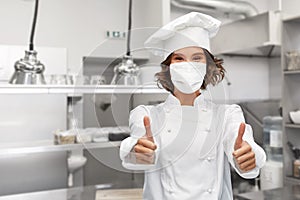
x,y
199,102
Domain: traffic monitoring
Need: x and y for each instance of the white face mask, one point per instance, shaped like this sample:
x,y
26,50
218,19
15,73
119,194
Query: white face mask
x,y
187,77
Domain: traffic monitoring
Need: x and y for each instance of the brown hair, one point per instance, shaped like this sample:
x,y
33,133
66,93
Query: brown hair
x,y
215,72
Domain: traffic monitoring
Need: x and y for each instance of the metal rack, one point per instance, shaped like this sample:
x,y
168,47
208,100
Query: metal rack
x,y
75,94
48,146
290,88
80,89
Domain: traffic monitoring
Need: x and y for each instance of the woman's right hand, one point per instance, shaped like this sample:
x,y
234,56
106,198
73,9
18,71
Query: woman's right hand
x,y
145,147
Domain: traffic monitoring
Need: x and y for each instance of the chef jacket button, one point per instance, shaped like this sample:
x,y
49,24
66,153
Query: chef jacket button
x,y
167,110
170,191
209,158
209,190
169,130
204,110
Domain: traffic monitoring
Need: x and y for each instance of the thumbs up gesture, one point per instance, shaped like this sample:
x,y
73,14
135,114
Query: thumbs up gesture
x,y
243,154
144,149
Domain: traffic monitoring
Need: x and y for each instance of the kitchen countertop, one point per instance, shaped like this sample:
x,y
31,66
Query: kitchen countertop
x,y
6,150
94,193
80,193
120,194
291,192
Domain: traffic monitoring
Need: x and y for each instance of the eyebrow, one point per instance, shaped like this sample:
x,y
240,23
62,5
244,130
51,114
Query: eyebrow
x,y
200,53
178,54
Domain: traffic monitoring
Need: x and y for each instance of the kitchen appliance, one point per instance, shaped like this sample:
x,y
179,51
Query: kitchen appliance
x,y
271,175
272,136
126,72
272,171
29,70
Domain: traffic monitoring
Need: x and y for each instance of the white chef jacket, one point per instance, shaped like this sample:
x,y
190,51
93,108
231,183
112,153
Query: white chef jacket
x,y
194,149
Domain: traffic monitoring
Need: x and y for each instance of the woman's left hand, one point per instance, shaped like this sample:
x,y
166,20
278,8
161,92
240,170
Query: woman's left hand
x,y
243,154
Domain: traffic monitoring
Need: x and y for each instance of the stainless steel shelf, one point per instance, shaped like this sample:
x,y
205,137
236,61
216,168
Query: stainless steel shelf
x,y
290,18
7,150
75,90
290,94
288,125
287,72
292,180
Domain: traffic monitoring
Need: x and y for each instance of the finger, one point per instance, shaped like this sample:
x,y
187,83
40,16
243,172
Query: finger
x,y
250,167
145,158
142,161
244,149
141,149
245,157
239,139
148,128
247,164
147,143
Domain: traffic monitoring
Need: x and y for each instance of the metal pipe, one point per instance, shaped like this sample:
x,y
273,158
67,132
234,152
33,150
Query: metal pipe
x,y
36,7
236,7
129,28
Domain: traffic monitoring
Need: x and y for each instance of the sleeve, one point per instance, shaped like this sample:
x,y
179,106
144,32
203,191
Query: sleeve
x,y
137,130
233,117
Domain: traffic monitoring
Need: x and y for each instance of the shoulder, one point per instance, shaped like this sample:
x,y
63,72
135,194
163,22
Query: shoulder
x,y
233,108
226,110
233,112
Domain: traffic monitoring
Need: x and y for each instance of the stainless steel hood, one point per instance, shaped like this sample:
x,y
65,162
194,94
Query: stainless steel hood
x,y
254,36
216,6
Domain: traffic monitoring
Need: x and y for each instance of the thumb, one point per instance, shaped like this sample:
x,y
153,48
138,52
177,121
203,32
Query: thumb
x,y
239,139
148,128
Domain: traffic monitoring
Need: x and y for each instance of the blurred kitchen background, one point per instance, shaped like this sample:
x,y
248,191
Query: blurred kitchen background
x,y
66,132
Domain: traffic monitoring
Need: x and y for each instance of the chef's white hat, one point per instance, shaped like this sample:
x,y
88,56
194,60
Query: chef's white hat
x,y
192,29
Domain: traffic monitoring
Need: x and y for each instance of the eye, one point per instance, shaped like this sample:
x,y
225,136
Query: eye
x,y
197,58
178,58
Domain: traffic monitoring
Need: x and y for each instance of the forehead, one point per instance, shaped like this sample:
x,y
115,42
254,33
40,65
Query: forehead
x,y
189,50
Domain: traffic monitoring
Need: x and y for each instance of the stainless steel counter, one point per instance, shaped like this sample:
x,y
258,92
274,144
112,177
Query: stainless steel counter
x,y
291,192
6,150
93,193
80,193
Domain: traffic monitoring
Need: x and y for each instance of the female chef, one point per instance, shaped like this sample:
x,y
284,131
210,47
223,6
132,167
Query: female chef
x,y
186,144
